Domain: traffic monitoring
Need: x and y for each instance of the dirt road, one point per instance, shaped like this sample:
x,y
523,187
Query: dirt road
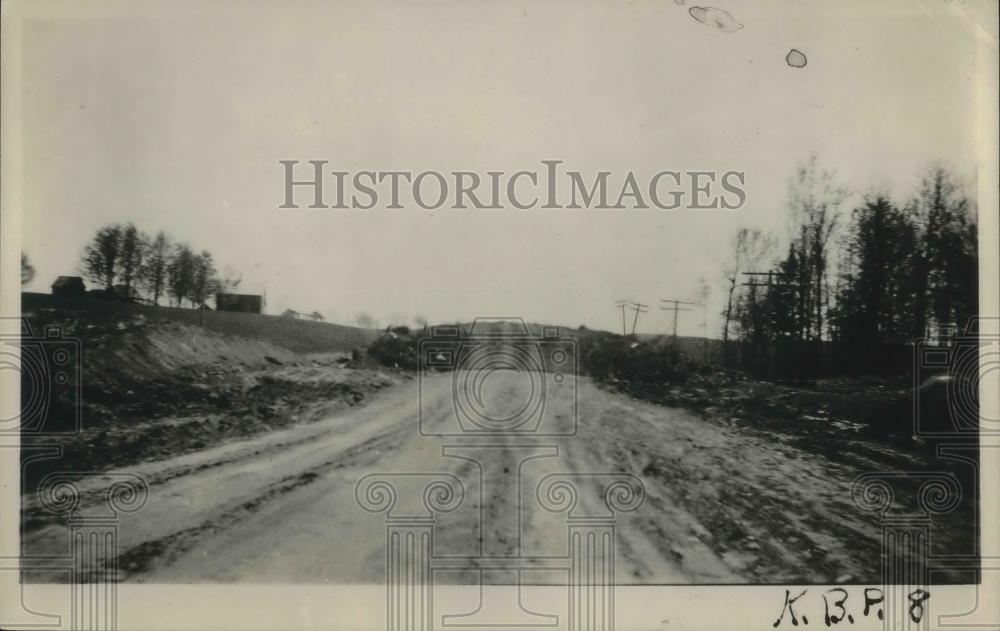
x,y
721,505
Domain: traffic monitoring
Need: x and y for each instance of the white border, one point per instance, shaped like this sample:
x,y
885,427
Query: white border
x,y
363,607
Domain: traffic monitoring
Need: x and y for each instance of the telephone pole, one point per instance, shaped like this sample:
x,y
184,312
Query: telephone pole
x,y
768,360
774,279
622,304
675,308
638,307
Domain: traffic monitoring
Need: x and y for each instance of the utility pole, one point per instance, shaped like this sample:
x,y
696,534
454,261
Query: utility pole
x,y
768,280
622,304
774,279
675,308
638,307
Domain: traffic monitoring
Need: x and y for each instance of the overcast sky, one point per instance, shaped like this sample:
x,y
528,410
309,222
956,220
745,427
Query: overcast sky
x,y
178,123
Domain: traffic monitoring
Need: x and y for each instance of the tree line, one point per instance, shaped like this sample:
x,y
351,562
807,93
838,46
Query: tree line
x,y
851,291
133,265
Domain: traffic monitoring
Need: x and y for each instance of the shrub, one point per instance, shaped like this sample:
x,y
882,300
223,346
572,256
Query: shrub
x,y
606,356
395,350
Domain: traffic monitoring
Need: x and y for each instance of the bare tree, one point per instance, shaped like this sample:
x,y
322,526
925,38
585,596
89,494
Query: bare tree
x,y
750,247
203,280
180,273
154,269
133,250
814,206
27,270
100,257
704,291
316,316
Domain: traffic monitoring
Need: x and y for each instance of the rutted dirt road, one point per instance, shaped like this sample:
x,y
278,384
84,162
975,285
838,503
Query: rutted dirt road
x,y
721,505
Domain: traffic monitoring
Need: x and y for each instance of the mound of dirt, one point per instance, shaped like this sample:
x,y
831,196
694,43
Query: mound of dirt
x,y
153,388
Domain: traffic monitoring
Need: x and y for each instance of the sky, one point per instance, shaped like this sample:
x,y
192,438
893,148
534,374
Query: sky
x,y
175,118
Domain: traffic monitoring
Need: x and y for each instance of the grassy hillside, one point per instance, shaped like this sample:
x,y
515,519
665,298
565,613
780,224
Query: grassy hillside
x,y
299,336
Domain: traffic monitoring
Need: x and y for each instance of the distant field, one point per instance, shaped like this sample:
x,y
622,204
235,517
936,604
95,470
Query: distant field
x,y
300,336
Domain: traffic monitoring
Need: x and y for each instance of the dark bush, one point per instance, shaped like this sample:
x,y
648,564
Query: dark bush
x,y
606,356
394,350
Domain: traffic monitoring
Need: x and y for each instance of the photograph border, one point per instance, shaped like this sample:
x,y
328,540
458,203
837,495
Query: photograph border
x,y
253,607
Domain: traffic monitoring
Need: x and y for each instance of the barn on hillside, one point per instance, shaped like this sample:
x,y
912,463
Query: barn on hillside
x,y
244,303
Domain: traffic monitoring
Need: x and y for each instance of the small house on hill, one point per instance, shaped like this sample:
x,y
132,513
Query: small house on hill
x,y
69,286
244,303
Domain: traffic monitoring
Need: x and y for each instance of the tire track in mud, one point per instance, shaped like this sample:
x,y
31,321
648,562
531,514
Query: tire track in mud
x,y
645,548
733,494
156,473
494,469
35,516
165,550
